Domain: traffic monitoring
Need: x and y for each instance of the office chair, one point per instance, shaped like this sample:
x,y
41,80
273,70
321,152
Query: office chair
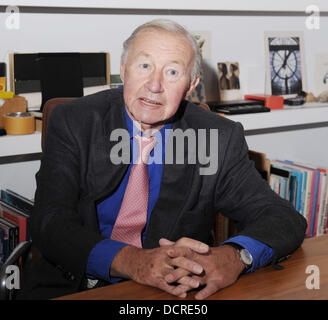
x,y
18,257
48,107
25,254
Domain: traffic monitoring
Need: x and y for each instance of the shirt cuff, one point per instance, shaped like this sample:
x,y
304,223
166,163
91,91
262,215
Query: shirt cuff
x,y
101,258
260,252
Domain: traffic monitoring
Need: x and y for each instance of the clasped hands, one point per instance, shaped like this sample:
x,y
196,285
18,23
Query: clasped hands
x,y
178,267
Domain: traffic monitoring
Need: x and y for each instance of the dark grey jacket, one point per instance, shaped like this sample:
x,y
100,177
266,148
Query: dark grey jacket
x,y
76,173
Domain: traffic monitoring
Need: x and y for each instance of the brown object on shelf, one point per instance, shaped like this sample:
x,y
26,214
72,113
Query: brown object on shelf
x,y
262,164
38,125
310,97
15,104
19,123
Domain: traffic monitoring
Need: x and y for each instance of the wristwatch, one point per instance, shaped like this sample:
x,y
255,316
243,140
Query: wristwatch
x,y
244,255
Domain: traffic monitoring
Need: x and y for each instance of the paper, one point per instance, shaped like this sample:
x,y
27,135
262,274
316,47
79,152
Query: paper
x,y
34,99
91,90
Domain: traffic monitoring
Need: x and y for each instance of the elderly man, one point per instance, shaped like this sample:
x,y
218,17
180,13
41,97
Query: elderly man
x,y
98,220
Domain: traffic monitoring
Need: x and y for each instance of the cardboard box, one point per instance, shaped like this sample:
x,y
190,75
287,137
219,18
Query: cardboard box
x,y
15,104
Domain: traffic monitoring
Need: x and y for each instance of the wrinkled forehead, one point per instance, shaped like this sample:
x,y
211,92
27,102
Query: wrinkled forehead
x,y
158,41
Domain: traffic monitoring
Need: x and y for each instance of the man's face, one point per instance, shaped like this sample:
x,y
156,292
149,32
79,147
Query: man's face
x,y
156,76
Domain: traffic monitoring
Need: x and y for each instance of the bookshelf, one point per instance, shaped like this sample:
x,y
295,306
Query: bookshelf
x,y
306,115
11,145
294,133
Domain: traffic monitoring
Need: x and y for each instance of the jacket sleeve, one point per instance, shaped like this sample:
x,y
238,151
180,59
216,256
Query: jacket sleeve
x,y
242,195
56,227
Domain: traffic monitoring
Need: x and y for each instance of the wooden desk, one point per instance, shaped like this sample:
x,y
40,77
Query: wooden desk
x,y
266,283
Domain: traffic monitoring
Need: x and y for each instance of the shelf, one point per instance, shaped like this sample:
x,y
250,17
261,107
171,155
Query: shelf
x,y
308,114
205,5
20,144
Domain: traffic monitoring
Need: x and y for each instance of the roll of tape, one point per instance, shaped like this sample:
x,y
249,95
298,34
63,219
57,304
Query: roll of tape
x,y
19,123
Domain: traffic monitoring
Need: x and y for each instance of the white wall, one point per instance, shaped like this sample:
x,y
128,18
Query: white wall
x,y
235,37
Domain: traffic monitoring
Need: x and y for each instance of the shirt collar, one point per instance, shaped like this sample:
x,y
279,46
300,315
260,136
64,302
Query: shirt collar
x,y
133,130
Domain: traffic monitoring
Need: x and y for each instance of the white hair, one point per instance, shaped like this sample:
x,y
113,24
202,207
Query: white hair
x,y
170,26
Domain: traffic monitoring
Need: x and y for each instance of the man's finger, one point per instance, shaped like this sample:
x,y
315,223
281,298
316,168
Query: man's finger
x,y
187,264
189,281
194,245
179,291
184,288
165,242
210,289
182,276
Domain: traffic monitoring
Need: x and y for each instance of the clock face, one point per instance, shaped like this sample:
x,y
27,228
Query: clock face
x,y
285,65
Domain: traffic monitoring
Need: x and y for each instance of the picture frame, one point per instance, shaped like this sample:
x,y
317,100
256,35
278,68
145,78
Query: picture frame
x,y
228,81
198,96
285,67
321,73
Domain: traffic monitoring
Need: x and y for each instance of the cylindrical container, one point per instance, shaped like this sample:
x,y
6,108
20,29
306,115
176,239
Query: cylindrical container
x,y
19,123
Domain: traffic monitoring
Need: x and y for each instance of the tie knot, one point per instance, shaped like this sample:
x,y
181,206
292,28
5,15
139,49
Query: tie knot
x,y
146,145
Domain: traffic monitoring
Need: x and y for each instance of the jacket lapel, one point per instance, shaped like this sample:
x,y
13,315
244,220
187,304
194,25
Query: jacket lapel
x,y
109,175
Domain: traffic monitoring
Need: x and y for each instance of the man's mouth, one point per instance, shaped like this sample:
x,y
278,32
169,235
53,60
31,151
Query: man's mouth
x,y
150,102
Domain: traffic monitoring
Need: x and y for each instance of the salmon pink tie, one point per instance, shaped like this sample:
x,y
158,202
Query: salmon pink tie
x,y
132,216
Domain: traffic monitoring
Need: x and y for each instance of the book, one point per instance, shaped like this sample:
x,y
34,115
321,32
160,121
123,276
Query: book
x,y
298,182
318,224
16,200
261,163
22,204
307,191
320,198
314,195
4,242
325,219
16,217
281,182
11,236
2,246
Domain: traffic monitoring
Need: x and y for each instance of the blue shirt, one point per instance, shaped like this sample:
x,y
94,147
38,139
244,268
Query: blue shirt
x,y
102,255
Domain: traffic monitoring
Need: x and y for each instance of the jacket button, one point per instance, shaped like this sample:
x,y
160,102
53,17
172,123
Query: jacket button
x,y
69,276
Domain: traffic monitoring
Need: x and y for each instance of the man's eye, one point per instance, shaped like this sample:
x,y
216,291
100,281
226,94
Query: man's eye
x,y
173,72
144,65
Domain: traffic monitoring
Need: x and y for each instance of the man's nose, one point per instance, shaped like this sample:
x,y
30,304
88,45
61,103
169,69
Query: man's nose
x,y
154,82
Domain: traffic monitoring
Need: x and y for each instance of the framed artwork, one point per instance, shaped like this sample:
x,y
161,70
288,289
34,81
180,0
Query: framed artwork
x,y
229,84
203,39
321,73
198,95
285,72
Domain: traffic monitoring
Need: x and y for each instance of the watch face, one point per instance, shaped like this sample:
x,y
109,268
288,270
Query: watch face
x,y
246,257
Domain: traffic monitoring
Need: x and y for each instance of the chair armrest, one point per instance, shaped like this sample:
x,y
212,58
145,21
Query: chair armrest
x,y
20,251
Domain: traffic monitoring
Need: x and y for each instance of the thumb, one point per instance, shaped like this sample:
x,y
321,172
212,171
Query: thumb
x,y
165,242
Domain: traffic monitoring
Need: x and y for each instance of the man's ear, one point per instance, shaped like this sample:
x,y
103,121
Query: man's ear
x,y
122,70
193,85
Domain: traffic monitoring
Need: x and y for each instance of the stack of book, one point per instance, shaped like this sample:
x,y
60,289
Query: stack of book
x,y
15,212
306,187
